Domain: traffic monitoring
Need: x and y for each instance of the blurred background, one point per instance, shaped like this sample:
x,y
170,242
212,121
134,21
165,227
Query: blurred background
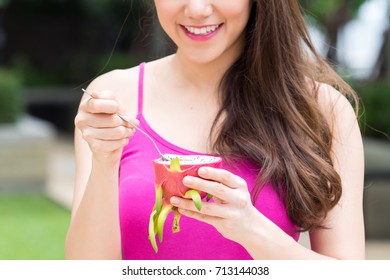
x,y
49,49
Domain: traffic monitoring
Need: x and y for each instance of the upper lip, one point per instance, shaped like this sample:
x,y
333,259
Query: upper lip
x,y
201,29
201,26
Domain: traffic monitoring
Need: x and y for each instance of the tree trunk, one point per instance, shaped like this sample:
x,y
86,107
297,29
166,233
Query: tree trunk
x,y
381,69
333,24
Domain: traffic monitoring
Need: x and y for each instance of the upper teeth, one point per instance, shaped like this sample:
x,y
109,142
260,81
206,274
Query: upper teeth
x,y
201,31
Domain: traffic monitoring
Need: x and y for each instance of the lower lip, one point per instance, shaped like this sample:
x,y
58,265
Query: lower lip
x,y
201,37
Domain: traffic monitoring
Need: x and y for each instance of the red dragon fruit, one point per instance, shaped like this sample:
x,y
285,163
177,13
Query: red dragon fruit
x,y
169,176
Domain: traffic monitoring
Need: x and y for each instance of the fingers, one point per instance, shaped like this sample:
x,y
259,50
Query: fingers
x,y
106,147
210,219
187,207
231,210
223,176
107,134
100,120
99,123
102,102
221,184
230,193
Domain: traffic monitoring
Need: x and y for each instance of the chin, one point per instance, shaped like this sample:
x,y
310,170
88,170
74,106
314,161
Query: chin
x,y
202,57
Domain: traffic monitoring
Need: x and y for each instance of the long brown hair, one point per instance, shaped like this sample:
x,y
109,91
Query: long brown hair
x,y
271,113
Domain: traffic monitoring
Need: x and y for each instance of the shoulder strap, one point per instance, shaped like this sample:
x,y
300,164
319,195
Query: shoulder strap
x,y
140,87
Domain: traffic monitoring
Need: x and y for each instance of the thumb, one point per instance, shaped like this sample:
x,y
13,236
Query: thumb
x,y
130,122
104,94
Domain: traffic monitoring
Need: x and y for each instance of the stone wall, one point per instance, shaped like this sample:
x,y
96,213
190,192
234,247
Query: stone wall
x,y
24,151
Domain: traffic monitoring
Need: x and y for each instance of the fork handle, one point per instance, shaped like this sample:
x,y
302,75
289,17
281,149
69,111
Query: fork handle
x,y
135,127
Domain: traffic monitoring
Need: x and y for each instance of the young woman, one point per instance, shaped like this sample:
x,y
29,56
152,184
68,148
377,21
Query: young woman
x,y
245,83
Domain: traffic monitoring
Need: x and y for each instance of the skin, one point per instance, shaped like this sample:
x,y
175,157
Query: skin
x,y
188,81
235,217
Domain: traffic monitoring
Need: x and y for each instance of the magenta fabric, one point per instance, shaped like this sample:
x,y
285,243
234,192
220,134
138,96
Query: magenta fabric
x,y
196,240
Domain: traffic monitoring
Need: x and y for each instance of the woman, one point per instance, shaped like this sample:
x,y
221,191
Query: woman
x,y
241,84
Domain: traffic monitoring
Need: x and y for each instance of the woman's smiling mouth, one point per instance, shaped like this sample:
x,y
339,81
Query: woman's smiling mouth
x,y
201,32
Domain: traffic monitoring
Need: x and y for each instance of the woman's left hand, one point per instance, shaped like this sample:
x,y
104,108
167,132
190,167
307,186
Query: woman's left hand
x,y
231,213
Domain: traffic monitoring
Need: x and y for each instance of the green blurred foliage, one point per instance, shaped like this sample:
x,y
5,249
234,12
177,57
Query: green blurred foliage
x,y
3,3
71,41
11,101
330,16
375,99
101,28
321,10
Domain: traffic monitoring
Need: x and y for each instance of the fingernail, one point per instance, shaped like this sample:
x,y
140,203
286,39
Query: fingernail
x,y
136,122
188,180
202,171
130,131
175,201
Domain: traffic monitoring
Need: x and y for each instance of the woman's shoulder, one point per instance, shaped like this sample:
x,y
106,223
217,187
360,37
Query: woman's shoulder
x,y
332,102
121,79
116,79
123,83
337,108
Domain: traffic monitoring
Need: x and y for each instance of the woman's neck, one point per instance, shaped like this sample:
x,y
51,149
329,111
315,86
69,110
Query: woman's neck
x,y
205,77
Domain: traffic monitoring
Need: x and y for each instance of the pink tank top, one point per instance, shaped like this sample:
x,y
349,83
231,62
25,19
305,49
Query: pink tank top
x,y
196,240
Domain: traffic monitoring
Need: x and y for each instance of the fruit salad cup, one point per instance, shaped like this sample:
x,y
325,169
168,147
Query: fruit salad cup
x,y
169,176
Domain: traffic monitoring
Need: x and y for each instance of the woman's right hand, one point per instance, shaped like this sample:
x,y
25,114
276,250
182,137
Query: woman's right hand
x,y
105,133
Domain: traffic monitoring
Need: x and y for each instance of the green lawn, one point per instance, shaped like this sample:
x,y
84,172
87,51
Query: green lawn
x,y
32,227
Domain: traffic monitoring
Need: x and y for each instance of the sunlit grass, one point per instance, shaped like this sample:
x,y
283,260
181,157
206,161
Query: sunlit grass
x,y
32,227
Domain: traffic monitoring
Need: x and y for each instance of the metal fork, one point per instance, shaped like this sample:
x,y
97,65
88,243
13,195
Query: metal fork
x,y
137,128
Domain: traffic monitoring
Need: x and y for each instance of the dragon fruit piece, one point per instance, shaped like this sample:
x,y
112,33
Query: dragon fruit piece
x,y
169,175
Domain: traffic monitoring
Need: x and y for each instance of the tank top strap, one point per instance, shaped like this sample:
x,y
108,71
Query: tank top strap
x,y
141,87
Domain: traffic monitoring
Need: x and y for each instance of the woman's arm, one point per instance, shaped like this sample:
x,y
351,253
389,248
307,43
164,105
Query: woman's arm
x,y
100,136
345,237
233,215
94,228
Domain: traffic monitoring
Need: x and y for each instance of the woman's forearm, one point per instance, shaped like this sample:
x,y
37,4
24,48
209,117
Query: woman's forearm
x,y
265,240
94,231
